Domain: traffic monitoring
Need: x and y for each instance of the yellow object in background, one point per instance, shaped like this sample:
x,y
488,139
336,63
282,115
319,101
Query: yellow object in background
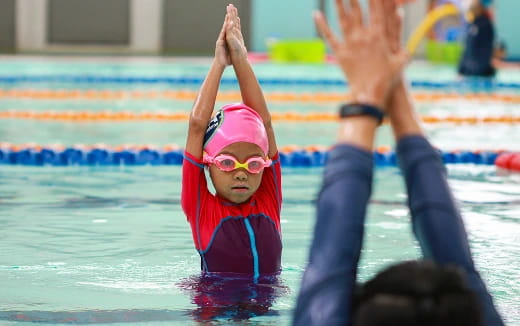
x,y
428,22
297,51
443,52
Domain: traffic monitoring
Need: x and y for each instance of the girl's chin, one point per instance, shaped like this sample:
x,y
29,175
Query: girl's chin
x,y
239,197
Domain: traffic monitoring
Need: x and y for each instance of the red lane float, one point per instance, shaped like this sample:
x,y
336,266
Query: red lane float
x,y
508,161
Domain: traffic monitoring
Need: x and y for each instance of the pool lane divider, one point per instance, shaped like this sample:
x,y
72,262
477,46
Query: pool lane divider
x,y
101,116
190,95
508,161
468,83
312,156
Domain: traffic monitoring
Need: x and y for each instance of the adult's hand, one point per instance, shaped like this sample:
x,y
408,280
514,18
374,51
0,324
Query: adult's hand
x,y
366,51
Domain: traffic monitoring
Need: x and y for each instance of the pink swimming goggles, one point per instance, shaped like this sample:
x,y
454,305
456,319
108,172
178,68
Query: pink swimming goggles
x,y
228,163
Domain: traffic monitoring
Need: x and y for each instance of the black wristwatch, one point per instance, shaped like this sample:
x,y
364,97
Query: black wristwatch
x,y
350,109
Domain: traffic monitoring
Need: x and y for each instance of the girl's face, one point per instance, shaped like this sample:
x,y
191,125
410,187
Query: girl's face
x,y
238,185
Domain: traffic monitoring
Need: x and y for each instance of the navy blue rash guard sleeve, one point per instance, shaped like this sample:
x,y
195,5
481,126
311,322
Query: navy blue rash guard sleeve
x,y
436,220
330,277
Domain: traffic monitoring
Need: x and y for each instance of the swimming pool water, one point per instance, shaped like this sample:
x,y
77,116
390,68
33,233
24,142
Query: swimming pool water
x,y
110,245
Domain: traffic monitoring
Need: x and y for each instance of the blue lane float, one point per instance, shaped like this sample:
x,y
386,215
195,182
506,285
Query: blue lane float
x,y
469,84
105,157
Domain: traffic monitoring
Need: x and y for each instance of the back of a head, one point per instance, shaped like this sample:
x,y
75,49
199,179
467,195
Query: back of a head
x,y
416,293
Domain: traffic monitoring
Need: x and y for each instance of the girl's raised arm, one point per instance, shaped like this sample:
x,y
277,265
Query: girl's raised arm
x,y
205,101
250,90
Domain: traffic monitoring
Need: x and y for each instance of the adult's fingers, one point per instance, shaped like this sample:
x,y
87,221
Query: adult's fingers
x,y
398,23
356,13
325,31
377,14
393,24
389,29
345,21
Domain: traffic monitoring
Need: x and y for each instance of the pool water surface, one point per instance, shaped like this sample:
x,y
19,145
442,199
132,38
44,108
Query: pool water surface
x,y
111,245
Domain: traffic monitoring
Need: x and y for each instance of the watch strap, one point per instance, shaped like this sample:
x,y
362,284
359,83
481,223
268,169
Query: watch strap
x,y
352,109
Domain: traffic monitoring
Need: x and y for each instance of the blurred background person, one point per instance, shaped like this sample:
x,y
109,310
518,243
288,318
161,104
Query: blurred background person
x,y
477,59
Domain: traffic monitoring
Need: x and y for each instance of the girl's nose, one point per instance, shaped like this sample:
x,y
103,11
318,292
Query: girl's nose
x,y
241,175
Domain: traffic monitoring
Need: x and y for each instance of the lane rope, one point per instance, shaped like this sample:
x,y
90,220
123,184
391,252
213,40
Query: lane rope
x,y
468,83
122,116
102,155
233,96
509,161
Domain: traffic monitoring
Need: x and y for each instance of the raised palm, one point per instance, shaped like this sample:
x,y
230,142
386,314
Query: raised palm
x,y
221,47
222,53
234,38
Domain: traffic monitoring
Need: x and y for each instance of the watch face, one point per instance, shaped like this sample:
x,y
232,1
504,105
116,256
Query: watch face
x,y
356,109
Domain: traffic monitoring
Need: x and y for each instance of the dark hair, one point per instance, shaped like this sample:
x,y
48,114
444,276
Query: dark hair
x,y
414,293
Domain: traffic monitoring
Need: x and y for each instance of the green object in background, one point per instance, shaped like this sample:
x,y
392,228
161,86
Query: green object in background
x,y
443,52
297,50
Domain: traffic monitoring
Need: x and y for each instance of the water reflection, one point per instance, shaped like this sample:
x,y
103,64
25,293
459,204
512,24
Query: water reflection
x,y
232,296
218,297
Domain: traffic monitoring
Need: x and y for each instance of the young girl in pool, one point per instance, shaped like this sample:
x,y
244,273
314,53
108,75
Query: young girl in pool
x,y
237,229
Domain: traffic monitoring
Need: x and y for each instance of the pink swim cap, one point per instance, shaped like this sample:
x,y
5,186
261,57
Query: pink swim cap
x,y
232,124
